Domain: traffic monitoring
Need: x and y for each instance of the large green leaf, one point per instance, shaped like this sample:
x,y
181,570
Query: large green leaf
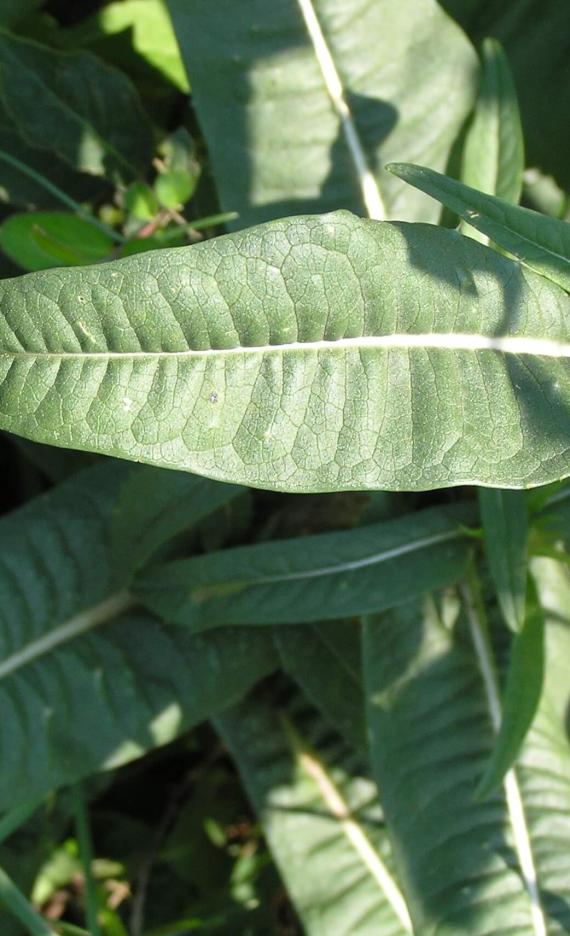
x,y
540,242
262,76
316,353
86,681
75,106
321,818
328,576
466,866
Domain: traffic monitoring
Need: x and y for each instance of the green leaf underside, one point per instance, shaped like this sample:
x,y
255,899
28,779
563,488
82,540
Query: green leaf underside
x,y
330,575
316,353
83,685
276,142
431,736
540,242
320,815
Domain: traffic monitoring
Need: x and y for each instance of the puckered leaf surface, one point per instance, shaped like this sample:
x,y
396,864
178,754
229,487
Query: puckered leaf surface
x,y
310,354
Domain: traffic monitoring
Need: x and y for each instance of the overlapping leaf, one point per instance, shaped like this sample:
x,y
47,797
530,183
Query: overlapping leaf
x,y
325,661
315,578
540,242
315,353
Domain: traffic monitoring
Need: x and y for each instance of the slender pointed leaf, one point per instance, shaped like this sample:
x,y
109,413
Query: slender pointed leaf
x,y
370,365
505,523
493,162
536,37
493,155
521,696
259,73
321,818
331,575
541,243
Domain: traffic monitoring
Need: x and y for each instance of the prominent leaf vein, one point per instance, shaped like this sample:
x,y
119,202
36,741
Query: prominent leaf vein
x,y
451,341
78,624
370,192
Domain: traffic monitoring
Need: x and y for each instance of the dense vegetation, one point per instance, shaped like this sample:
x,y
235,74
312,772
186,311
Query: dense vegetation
x,y
285,413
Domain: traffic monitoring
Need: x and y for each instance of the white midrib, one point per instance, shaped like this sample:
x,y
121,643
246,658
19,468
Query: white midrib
x,y
444,341
375,559
368,186
78,624
340,810
515,807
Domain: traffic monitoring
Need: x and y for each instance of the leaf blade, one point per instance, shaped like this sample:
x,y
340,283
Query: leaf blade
x,y
521,697
540,242
316,818
299,398
278,145
87,681
320,577
505,524
493,156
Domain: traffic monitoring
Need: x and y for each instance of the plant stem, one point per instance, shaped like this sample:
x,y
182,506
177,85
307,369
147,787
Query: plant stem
x,y
61,196
86,855
19,907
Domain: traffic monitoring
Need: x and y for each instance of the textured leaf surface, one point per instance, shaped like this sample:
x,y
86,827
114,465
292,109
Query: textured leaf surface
x,y
431,736
276,142
72,104
86,683
493,154
331,575
317,353
320,814
542,243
